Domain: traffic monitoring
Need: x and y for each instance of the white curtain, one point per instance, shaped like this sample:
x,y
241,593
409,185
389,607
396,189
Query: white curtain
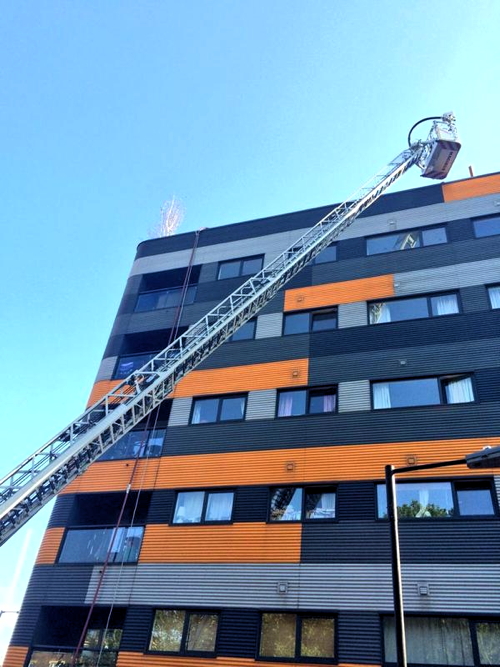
x,y
219,507
189,507
285,405
381,395
495,297
380,313
423,499
445,305
459,391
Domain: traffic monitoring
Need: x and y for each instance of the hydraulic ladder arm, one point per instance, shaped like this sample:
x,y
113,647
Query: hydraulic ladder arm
x,y
50,468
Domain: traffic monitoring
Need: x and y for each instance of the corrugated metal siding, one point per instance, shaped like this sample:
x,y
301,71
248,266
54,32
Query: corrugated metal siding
x,y
472,187
354,396
106,369
49,547
352,314
161,507
238,633
497,487
261,404
136,629
261,351
126,659
25,625
359,637
251,504
15,656
58,585
447,277
234,543
115,476
269,325
180,412
474,299
356,501
330,294
61,511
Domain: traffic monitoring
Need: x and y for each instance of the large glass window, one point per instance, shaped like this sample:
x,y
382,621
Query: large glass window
x,y
220,409
184,632
247,266
329,254
429,499
127,364
203,506
487,226
309,320
91,545
297,636
245,332
136,444
413,308
296,402
165,298
405,240
100,647
296,503
425,391
494,294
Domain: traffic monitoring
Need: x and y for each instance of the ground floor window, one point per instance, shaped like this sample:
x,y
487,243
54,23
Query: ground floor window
x,y
184,632
297,636
99,650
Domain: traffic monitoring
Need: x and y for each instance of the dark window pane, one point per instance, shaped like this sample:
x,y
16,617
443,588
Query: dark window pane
x,y
405,393
324,321
320,504
167,630
296,323
407,309
219,506
232,408
474,500
322,401
190,294
292,403
317,639
189,506
91,545
136,443
251,266
205,410
329,254
286,504
245,332
147,301
202,632
129,364
447,304
170,298
392,242
277,637
229,269
434,236
494,294
487,226
488,640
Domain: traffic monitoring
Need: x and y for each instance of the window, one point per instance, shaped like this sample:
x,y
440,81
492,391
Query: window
x,y
91,545
245,332
164,298
295,402
487,226
203,506
248,266
425,391
329,254
295,504
307,320
136,444
494,294
429,499
184,632
297,636
220,409
405,240
99,648
446,641
130,363
413,308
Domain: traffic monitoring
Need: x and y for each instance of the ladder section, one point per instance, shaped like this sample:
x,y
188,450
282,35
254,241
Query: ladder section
x,y
54,465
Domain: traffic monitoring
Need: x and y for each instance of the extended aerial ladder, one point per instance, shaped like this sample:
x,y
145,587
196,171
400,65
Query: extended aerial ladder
x,y
50,468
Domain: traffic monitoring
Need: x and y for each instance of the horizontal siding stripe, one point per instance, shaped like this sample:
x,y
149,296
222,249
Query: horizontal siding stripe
x,y
236,543
252,377
261,404
100,389
15,656
129,659
49,547
471,187
115,476
352,314
179,414
354,396
269,325
348,291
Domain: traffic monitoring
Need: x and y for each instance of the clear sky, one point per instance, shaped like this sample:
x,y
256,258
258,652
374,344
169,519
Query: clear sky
x,y
240,108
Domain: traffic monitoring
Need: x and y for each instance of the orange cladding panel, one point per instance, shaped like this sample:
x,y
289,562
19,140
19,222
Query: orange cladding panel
x,y
16,656
100,389
244,378
235,543
115,476
471,187
331,294
49,547
128,659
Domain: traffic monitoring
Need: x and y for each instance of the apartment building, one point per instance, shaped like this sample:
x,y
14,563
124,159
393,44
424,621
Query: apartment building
x,y
255,530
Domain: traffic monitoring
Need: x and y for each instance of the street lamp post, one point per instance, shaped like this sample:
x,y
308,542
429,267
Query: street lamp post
x,y
489,457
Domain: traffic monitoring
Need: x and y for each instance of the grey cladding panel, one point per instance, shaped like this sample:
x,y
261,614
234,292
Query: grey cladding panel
x,y
58,584
354,396
447,277
261,404
269,325
352,314
180,412
106,369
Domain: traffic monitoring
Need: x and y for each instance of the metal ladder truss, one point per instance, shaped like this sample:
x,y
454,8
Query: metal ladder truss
x,y
42,475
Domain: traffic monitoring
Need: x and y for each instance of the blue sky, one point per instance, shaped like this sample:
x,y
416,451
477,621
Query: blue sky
x,y
240,108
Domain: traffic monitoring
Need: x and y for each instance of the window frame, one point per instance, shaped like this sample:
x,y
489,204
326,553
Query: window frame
x,y
119,376
311,314
241,261
418,230
306,489
220,398
145,444
300,615
90,528
309,391
488,288
484,481
441,382
203,521
428,296
189,299
185,632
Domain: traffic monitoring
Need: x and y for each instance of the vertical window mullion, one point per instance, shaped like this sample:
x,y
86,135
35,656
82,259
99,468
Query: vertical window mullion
x,y
298,636
185,628
475,645
204,507
219,409
456,507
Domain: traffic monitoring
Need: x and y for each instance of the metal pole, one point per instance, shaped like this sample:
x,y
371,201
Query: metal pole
x,y
397,588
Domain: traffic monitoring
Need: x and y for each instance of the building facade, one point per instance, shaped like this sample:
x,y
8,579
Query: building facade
x,y
255,529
